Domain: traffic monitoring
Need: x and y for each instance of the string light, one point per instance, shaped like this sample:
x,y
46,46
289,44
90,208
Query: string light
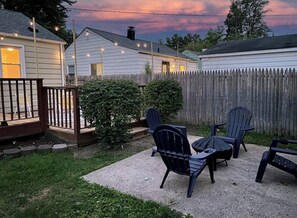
x,y
56,28
122,51
88,55
1,37
116,44
138,45
144,45
16,34
73,56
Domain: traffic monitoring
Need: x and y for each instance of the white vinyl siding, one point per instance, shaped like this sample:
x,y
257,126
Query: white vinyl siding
x,y
273,60
114,60
48,57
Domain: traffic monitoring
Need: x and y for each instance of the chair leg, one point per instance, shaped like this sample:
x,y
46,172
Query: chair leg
x,y
164,178
236,150
192,182
262,167
244,146
211,164
154,151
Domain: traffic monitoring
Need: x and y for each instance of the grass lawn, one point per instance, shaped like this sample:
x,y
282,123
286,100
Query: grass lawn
x,y
49,185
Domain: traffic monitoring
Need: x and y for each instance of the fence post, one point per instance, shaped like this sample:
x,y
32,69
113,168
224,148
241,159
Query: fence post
x,y
76,114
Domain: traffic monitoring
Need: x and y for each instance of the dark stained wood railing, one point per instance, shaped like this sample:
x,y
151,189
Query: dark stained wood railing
x,y
21,108
19,99
63,108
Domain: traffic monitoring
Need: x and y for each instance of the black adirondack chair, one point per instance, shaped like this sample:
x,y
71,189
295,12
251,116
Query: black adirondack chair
x,y
175,152
237,125
271,157
153,119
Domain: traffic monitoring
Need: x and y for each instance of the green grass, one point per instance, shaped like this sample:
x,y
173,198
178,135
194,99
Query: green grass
x,y
50,186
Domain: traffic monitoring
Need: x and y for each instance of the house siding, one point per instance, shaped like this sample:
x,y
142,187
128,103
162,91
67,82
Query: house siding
x,y
114,61
48,57
273,60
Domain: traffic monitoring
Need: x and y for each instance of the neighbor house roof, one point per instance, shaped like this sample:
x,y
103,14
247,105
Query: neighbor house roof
x,y
133,44
15,22
275,42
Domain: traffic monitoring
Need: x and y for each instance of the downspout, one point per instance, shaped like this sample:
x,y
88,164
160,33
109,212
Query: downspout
x,y
62,65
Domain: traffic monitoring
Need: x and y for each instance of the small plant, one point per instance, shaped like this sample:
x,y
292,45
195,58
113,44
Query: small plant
x,y
110,105
164,95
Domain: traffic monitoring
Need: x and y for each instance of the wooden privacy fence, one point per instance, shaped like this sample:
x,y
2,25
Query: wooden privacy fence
x,y
271,95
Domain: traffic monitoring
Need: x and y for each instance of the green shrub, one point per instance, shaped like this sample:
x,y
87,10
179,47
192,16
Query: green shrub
x,y
110,105
164,95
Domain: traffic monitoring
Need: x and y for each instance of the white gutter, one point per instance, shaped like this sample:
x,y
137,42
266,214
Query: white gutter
x,y
168,56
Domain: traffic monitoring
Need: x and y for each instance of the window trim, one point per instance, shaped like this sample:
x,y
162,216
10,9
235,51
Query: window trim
x,y
22,58
70,65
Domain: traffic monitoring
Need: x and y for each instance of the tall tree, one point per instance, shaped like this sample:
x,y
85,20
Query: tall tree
x,y
48,13
245,19
183,43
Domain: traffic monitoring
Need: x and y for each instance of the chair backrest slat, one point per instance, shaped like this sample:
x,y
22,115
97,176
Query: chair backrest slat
x,y
238,118
153,118
174,148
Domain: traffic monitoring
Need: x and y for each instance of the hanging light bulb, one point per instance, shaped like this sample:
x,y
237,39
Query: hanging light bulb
x,y
56,28
1,37
16,34
116,44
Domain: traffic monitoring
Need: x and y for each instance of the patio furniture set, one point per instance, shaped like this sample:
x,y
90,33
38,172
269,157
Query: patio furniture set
x,y
174,148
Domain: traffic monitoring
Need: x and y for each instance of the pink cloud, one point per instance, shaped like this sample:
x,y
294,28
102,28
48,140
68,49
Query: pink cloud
x,y
155,23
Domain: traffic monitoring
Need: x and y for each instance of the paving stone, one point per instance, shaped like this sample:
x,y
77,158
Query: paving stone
x,y
44,148
28,150
59,148
72,147
13,152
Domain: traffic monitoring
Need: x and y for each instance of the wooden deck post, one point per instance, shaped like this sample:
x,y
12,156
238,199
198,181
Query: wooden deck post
x,y
76,114
42,102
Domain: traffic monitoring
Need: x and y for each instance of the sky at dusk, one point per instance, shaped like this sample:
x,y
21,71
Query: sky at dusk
x,y
281,16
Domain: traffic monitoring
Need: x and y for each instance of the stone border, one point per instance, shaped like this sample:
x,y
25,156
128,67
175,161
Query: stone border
x,y
46,148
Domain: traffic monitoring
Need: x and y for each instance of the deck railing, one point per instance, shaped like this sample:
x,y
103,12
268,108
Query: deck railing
x,y
19,99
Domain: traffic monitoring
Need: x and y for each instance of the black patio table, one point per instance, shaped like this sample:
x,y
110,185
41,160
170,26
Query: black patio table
x,y
223,149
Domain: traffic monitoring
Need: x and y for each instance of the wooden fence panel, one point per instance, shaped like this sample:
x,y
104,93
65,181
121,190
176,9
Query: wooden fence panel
x,y
271,95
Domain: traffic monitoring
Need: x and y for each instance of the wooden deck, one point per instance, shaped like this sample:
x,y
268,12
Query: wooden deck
x,y
28,108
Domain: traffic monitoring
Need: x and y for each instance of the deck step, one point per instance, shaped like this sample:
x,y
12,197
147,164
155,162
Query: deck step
x,y
138,132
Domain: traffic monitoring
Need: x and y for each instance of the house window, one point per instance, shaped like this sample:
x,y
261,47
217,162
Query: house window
x,y
71,70
165,66
97,69
10,62
182,68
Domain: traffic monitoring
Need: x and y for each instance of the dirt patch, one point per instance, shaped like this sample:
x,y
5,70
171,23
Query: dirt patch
x,y
134,147
41,195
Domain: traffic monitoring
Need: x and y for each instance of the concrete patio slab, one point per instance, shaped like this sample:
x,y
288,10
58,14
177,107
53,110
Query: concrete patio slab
x,y
235,192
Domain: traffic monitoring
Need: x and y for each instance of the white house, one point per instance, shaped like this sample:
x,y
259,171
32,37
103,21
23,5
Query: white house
x,y
20,57
271,53
104,53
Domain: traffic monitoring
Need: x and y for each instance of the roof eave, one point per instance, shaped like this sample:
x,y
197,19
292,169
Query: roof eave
x,y
32,38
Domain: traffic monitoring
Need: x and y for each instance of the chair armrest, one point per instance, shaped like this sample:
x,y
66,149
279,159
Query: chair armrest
x,y
214,128
248,128
204,154
284,150
285,141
